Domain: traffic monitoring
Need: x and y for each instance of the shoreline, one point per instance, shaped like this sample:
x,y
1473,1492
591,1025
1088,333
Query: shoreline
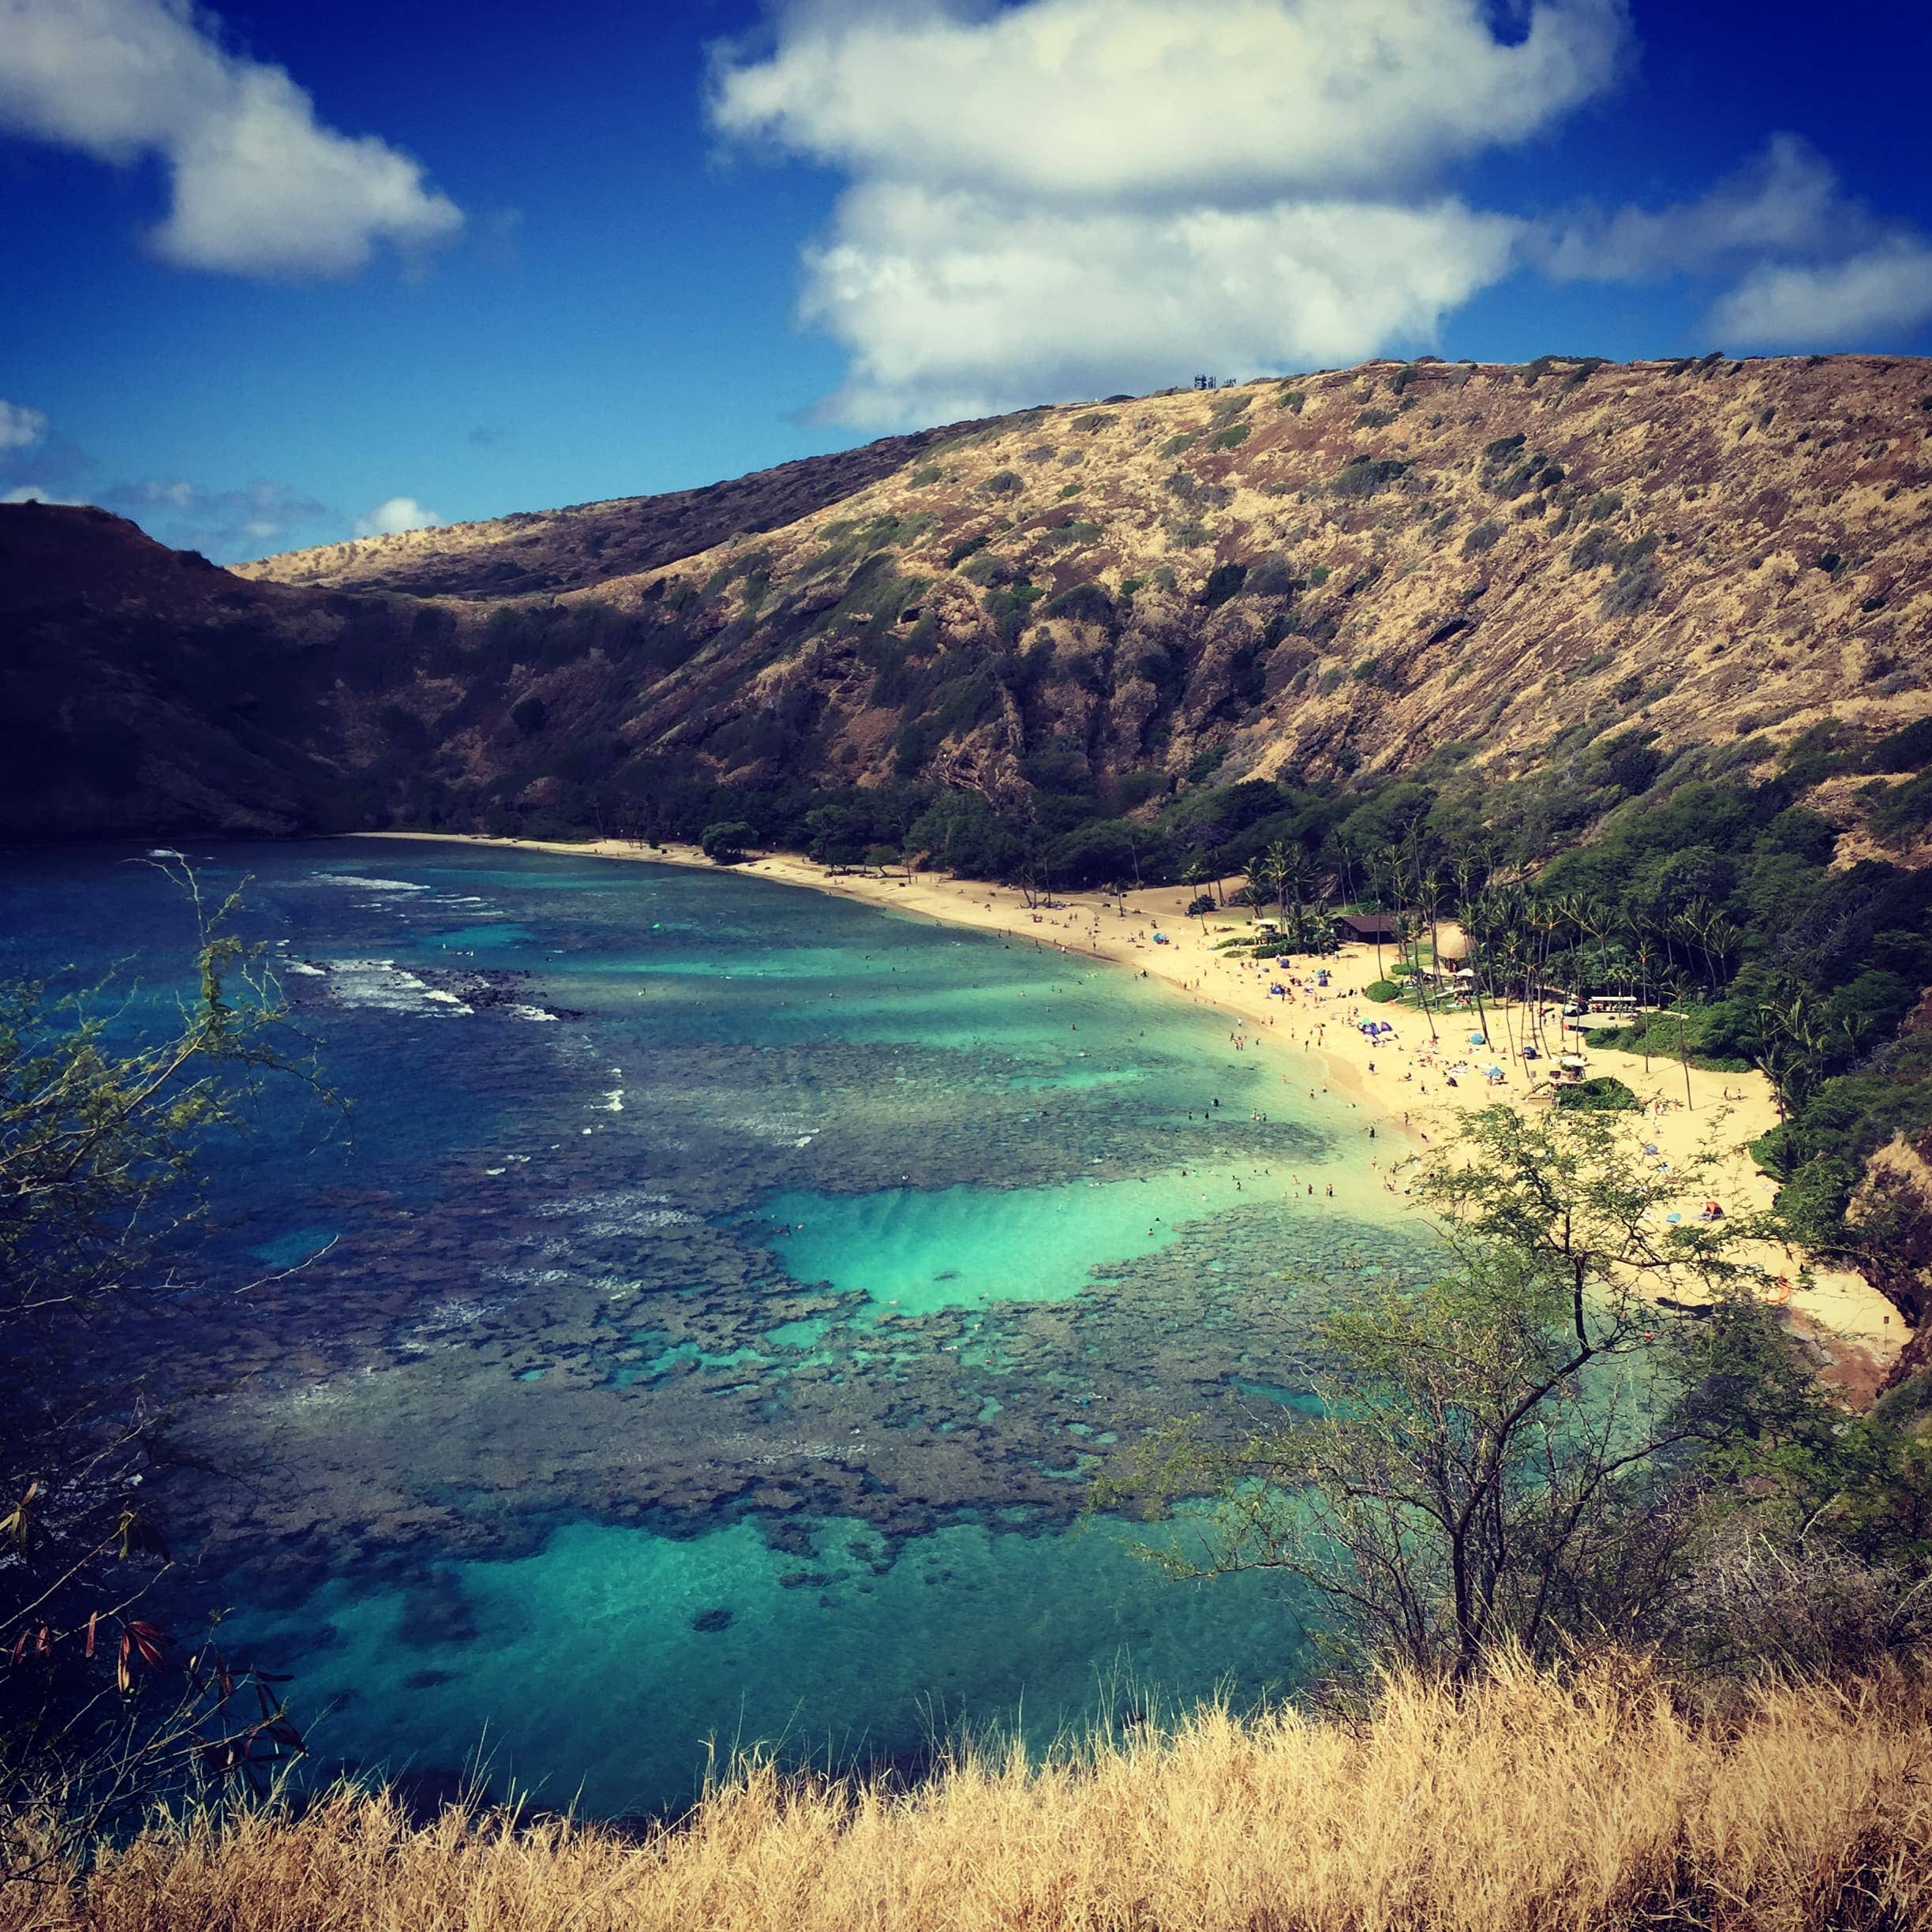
x,y
1404,1081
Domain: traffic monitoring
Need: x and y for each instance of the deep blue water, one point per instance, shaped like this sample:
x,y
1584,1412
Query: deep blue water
x,y
708,1322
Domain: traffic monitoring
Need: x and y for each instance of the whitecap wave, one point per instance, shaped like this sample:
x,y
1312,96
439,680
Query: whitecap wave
x,y
384,985
359,882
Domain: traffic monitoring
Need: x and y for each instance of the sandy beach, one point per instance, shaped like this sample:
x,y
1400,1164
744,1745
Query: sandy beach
x,y
1414,1083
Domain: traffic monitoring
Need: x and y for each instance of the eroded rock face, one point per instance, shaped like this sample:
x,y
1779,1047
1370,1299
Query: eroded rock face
x,y
1892,1212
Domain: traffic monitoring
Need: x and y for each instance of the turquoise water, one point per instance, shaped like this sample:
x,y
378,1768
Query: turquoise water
x,y
883,1652
967,1247
712,1322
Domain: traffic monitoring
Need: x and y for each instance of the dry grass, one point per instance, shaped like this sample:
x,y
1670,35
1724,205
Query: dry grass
x,y
1531,1804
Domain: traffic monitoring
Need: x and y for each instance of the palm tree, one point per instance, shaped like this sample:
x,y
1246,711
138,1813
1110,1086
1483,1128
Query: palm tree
x,y
1293,874
1373,877
1430,887
1680,992
1792,1039
1645,960
1191,877
1475,914
1260,883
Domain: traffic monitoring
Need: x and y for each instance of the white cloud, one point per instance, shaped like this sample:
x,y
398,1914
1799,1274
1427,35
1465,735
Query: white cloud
x,y
957,304
392,518
1786,202
259,186
1814,268
19,427
1063,196
225,524
1866,301
1136,97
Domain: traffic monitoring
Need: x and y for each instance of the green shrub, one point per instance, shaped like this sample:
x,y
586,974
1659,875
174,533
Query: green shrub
x,y
1904,808
1594,548
1606,1093
1004,483
1636,583
1368,475
1374,419
1070,489
1073,531
1175,444
1093,420
1290,399
925,474
1231,438
1907,749
529,715
1605,503
1382,991
1482,537
1083,603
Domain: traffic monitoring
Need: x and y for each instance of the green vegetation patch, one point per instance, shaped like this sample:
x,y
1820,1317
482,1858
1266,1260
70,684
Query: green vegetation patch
x,y
1606,1093
1368,476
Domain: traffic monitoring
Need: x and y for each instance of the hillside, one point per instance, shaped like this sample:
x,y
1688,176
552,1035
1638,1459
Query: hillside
x,y
143,689
588,543
1346,572
1357,573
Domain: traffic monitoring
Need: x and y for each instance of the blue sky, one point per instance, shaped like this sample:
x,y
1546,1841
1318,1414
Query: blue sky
x,y
276,272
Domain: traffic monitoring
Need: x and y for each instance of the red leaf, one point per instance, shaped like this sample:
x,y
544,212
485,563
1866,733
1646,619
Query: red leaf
x,y
150,1641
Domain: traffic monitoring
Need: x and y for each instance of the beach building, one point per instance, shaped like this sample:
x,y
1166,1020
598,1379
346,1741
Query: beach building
x,y
1366,928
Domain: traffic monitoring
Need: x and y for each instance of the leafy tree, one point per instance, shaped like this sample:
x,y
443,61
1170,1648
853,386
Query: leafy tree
x,y
104,1142
1489,1462
726,843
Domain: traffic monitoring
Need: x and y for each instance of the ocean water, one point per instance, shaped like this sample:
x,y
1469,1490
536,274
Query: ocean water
x,y
703,1328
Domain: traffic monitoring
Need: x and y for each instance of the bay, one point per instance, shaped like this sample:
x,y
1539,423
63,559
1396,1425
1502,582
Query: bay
x,y
705,1331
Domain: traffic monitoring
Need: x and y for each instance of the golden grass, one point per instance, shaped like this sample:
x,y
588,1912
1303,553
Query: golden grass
x,y
1532,1803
